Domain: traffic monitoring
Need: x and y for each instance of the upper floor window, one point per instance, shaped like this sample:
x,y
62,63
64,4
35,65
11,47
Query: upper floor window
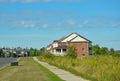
x,y
83,49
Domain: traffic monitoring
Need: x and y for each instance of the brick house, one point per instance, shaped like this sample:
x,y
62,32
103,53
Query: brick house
x,y
59,47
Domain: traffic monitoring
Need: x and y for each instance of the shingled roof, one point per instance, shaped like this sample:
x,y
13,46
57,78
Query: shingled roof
x,y
77,35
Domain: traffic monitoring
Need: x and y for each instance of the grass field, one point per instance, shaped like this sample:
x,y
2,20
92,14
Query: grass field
x,y
94,68
28,70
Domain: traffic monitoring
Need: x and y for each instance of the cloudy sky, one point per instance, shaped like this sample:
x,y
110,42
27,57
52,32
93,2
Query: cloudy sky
x,y
36,23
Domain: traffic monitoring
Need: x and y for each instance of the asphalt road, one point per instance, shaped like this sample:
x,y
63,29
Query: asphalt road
x,y
5,61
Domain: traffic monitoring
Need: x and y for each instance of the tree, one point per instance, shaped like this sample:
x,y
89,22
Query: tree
x,y
42,51
71,51
36,52
31,52
2,54
112,51
96,49
31,49
103,50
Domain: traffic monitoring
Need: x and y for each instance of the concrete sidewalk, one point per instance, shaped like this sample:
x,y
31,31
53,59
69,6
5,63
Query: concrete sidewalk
x,y
59,72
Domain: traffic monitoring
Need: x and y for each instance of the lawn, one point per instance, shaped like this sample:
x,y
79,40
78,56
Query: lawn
x,y
94,68
28,70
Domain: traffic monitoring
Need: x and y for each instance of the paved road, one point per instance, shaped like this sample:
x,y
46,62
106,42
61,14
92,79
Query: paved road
x,y
5,61
59,72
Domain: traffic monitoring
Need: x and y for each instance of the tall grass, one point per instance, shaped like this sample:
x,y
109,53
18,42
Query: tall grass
x,y
94,68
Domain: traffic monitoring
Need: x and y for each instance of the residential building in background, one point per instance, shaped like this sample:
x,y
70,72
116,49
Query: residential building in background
x,y
59,47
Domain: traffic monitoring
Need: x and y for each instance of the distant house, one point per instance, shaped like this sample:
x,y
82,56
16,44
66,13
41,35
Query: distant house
x,y
22,53
15,52
59,47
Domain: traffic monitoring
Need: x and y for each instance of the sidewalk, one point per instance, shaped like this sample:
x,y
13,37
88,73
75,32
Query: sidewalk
x,y
59,72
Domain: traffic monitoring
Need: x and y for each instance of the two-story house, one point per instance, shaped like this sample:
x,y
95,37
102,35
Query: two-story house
x,y
59,47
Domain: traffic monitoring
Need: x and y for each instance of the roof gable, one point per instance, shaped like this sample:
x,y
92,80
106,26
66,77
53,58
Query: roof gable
x,y
78,39
74,37
69,37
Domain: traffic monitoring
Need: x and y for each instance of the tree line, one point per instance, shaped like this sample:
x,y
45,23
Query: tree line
x,y
97,50
6,52
71,51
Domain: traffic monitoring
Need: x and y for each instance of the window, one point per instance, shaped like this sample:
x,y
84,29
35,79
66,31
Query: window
x,y
90,48
83,54
83,49
58,50
64,50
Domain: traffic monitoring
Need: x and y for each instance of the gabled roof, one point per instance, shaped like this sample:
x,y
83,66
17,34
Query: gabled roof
x,y
56,41
75,36
49,45
83,38
62,38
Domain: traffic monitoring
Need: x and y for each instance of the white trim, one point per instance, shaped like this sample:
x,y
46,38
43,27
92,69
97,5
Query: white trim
x,y
69,37
78,39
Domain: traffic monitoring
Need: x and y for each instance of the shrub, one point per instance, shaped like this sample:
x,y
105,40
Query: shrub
x,y
94,68
71,51
48,55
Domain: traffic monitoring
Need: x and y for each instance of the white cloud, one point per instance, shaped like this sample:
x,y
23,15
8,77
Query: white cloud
x,y
117,24
20,36
29,1
22,24
81,26
85,22
45,26
7,1
72,22
34,1
54,21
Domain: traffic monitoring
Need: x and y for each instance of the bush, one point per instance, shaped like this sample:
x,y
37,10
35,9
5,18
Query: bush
x,y
71,51
116,55
48,55
94,68
14,64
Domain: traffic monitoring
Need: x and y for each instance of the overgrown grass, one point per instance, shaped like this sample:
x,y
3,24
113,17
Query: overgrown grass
x,y
28,70
94,68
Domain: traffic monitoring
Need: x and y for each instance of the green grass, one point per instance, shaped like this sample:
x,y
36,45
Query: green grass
x,y
28,70
94,68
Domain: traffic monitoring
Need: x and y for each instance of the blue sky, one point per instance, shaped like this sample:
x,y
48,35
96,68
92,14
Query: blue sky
x,y
36,23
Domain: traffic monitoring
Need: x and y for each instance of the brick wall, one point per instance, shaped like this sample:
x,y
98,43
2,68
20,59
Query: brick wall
x,y
81,48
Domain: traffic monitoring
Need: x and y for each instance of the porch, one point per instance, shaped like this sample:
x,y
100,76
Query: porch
x,y
60,51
